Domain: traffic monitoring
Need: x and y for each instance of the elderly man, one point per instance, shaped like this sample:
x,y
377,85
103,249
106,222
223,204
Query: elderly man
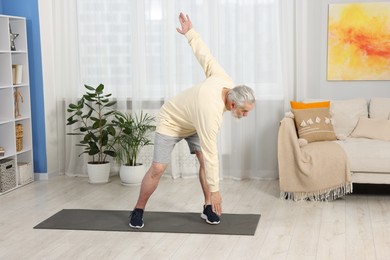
x,y
195,115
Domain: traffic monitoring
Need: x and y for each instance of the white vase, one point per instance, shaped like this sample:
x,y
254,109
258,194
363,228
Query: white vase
x,y
132,175
98,173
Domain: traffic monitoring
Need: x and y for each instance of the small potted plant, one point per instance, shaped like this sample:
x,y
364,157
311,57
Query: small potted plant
x,y
93,113
133,133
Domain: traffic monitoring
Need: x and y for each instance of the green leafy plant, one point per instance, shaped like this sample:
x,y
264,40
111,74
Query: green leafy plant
x,y
133,133
93,113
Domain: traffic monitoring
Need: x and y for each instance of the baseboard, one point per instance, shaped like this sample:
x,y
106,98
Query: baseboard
x,y
41,176
48,175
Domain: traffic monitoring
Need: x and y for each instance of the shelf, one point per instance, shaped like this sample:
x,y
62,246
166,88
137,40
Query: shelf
x,y
15,101
24,101
20,59
27,141
18,26
7,138
4,30
6,105
5,69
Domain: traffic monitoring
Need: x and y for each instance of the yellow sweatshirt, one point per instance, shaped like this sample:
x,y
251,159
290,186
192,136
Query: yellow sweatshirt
x,y
199,109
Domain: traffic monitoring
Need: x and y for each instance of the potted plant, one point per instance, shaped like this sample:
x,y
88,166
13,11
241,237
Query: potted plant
x,y
133,133
92,113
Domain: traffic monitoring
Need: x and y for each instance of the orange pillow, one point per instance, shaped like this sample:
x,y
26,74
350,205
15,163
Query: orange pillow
x,y
301,105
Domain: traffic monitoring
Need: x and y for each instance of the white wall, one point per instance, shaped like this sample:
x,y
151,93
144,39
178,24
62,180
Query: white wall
x,y
317,85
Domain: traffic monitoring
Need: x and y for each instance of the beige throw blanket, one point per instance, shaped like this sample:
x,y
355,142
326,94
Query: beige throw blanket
x,y
316,171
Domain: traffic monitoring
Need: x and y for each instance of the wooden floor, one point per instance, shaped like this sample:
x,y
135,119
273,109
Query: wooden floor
x,y
354,227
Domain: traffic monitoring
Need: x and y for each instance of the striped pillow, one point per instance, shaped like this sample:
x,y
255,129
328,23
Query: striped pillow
x,y
314,124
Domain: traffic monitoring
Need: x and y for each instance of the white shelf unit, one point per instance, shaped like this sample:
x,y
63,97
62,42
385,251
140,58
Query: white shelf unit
x,y
8,119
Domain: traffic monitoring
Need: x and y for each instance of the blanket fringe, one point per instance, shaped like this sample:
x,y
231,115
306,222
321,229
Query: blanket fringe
x,y
323,195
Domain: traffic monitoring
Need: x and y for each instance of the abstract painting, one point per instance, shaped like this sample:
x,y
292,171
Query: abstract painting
x,y
359,41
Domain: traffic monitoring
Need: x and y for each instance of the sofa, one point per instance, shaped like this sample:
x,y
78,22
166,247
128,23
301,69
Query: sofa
x,y
322,151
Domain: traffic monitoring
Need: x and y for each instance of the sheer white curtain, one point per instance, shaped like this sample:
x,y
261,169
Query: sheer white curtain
x,y
132,47
67,83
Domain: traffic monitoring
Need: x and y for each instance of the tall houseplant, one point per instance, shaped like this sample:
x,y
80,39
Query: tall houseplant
x,y
93,113
133,133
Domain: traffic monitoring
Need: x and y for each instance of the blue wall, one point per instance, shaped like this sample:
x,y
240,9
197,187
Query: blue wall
x,y
29,10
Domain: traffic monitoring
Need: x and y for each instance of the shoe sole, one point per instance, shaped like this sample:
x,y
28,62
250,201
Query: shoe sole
x,y
139,227
204,216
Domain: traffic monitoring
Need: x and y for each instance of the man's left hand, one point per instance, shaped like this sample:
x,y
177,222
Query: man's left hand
x,y
216,202
185,22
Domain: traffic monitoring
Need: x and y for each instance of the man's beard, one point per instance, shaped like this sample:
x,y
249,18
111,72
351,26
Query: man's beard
x,y
235,115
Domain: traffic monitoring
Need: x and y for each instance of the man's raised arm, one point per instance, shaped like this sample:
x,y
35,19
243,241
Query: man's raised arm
x,y
200,49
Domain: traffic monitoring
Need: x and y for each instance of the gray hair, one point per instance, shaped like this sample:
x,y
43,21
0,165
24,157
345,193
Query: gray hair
x,y
241,94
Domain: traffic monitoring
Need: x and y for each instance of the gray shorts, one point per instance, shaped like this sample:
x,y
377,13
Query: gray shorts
x,y
163,146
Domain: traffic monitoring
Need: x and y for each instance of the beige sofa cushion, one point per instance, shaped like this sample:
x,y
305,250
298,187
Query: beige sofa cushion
x,y
367,155
380,108
346,114
372,128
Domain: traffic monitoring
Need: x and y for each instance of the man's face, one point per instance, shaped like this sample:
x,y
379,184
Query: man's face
x,y
239,112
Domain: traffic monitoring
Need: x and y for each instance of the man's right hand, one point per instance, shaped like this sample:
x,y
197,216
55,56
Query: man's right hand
x,y
185,22
216,202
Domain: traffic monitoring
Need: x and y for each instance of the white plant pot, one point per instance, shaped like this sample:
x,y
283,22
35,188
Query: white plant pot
x,y
132,175
98,173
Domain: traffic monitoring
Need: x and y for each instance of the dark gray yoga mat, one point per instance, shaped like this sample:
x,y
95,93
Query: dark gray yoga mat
x,y
166,222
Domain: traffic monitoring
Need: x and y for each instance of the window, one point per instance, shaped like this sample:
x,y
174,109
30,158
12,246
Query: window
x,y
133,48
